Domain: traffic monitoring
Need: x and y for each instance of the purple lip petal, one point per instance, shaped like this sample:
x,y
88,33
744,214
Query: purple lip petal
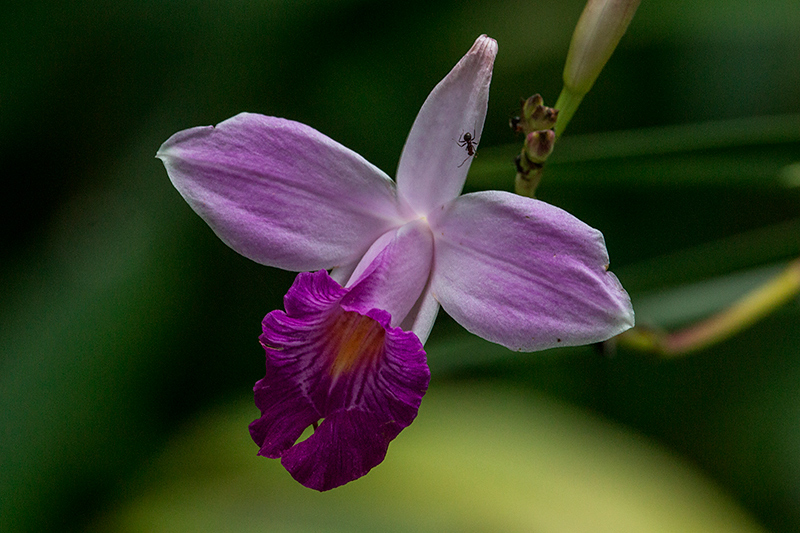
x,y
280,192
345,367
433,166
525,274
322,463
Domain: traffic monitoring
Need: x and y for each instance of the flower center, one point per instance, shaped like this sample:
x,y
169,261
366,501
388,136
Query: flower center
x,y
354,339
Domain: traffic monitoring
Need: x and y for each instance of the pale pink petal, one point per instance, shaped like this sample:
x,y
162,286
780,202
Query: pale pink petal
x,y
433,166
525,274
342,273
280,192
394,272
422,316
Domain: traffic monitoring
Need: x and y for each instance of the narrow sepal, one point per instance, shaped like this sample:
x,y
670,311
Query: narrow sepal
x,y
437,156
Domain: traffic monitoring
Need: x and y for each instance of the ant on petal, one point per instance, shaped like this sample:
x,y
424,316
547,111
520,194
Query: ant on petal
x,y
468,142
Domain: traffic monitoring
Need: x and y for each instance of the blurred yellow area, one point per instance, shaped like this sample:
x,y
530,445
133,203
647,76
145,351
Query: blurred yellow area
x,y
476,459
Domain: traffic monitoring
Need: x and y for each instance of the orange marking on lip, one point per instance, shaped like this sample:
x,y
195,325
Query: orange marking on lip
x,y
354,339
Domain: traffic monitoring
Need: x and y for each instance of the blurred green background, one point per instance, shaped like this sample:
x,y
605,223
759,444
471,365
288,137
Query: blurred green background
x,y
128,331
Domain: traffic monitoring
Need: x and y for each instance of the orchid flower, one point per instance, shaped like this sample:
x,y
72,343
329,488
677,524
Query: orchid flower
x,y
346,356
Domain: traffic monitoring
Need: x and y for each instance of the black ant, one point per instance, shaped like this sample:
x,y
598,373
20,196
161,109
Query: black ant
x,y
469,142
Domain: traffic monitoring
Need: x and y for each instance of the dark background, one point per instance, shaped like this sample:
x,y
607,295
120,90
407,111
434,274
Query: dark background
x,y
122,315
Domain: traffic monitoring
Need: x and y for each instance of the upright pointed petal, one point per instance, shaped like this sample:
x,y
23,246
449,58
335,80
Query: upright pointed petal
x,y
341,366
525,274
280,192
433,166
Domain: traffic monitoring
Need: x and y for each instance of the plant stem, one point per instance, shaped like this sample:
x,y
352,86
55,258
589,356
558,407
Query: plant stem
x,y
567,104
751,308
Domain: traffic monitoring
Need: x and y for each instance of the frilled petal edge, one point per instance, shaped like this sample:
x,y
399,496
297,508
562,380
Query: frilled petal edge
x,y
339,366
525,274
280,192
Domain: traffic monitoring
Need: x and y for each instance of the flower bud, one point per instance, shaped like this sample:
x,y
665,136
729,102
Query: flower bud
x,y
535,116
538,116
601,26
539,145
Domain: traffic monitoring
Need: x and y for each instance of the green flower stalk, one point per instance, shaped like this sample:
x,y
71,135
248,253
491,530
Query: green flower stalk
x,y
599,30
742,314
536,122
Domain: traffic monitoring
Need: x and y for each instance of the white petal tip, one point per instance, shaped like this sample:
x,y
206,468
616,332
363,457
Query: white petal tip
x,y
485,46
